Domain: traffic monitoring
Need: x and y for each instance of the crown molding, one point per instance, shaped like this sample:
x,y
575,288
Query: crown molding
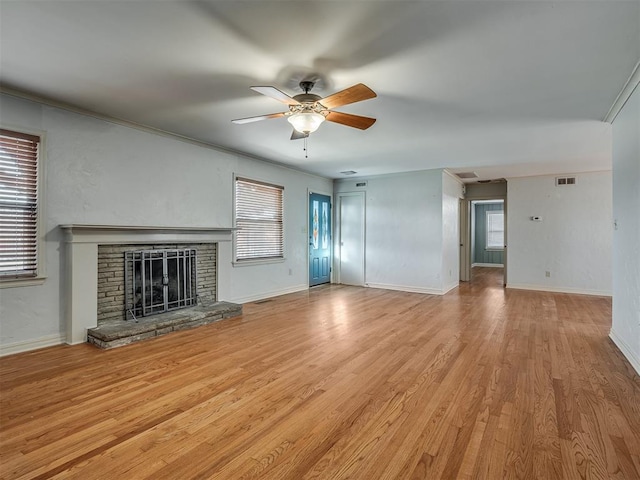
x,y
624,95
32,97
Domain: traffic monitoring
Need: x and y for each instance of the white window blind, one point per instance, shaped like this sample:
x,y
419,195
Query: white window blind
x,y
18,204
495,230
259,220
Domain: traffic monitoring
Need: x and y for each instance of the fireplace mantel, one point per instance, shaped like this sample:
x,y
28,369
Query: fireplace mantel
x,y
82,263
110,234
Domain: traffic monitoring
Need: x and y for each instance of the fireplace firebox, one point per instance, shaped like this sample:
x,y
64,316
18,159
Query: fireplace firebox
x,y
158,281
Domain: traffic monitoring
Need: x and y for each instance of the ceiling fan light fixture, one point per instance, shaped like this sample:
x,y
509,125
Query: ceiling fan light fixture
x,y
306,122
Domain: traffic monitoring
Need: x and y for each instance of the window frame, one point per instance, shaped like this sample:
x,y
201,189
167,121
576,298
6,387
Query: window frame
x,y
488,247
11,281
238,262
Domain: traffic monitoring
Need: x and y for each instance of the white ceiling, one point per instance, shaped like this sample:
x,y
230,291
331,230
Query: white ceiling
x,y
504,88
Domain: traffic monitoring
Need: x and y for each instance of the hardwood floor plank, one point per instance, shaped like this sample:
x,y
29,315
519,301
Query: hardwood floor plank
x,y
339,382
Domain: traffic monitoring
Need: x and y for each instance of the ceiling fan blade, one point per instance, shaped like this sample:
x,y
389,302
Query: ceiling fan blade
x,y
357,93
351,120
296,135
258,118
276,94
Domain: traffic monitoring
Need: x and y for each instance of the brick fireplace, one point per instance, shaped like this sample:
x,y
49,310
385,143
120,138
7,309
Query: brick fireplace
x,y
115,302
95,268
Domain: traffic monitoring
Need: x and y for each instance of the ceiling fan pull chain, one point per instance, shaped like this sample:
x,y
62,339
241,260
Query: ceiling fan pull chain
x,y
306,147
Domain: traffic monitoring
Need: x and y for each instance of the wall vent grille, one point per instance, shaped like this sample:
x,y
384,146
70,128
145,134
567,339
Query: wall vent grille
x,y
562,181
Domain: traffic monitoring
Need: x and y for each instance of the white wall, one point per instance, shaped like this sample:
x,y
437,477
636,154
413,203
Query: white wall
x,y
98,172
451,195
404,230
573,240
625,330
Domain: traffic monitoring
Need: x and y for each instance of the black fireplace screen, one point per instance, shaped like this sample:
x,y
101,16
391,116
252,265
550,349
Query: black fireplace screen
x,y
158,281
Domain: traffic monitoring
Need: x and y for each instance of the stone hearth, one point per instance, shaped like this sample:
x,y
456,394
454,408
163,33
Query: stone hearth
x,y
117,334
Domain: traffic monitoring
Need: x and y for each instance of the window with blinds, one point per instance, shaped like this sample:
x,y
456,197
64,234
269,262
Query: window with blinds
x,y
18,205
258,208
495,230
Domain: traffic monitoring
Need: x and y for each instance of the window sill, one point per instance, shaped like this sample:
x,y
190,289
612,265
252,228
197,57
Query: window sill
x,y
22,282
494,249
263,261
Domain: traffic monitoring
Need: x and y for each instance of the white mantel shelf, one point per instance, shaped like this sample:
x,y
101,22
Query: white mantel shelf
x,y
110,234
82,262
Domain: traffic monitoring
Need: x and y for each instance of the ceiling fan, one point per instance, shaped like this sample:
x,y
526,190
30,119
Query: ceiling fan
x,y
307,110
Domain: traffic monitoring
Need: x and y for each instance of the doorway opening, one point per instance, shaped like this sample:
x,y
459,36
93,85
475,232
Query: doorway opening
x,y
487,241
484,231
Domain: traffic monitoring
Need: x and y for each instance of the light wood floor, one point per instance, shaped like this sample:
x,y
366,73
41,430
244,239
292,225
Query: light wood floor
x,y
335,383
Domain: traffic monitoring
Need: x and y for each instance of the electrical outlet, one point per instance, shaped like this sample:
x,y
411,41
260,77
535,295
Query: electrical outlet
x,y
547,274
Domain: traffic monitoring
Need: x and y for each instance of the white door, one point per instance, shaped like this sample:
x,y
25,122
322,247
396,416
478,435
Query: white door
x,y
351,238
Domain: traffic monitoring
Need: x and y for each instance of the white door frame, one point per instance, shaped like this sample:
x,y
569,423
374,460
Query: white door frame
x,y
467,239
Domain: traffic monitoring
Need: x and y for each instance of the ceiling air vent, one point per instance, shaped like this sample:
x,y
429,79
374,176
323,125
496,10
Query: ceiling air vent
x,y
349,172
467,175
561,181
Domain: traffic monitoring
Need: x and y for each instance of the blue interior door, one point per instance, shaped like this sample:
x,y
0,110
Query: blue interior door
x,y
319,239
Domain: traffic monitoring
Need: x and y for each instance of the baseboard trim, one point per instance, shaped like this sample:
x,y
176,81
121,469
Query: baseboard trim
x,y
543,288
273,293
494,265
449,288
404,288
626,350
28,345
